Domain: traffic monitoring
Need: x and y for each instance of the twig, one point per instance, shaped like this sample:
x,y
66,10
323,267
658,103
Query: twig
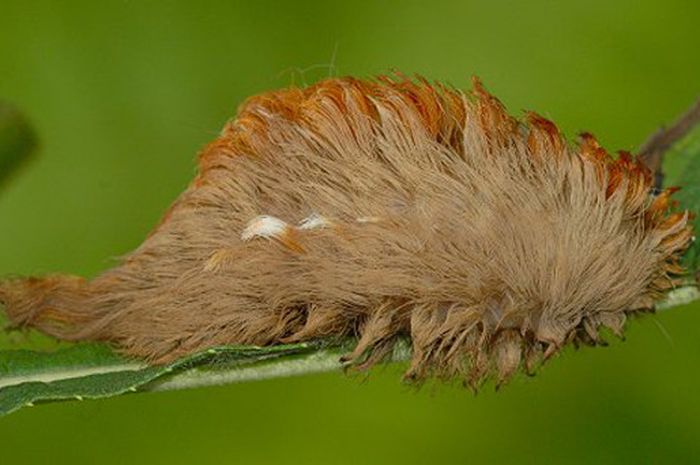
x,y
653,150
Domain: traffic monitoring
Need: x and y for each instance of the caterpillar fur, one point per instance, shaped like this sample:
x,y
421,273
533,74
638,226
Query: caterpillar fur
x,y
384,209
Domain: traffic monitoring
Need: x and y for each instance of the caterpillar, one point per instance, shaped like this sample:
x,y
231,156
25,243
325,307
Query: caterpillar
x,y
384,209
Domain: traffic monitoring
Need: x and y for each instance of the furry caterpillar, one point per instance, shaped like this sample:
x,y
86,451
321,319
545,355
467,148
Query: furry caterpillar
x,y
380,209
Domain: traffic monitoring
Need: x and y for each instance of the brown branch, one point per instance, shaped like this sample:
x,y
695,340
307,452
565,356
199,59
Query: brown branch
x,y
653,150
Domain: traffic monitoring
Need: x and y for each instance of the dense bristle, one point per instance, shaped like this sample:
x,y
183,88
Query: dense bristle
x,y
385,209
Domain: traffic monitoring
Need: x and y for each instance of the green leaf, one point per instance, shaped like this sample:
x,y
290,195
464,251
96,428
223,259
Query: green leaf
x,y
93,371
682,168
17,139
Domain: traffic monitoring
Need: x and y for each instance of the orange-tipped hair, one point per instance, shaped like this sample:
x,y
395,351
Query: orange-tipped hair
x,y
383,209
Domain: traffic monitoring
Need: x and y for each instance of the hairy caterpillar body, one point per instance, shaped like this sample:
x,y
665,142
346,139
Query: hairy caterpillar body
x,y
383,209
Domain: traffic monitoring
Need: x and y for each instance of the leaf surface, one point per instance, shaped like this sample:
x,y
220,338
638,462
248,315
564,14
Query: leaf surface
x,y
682,169
93,371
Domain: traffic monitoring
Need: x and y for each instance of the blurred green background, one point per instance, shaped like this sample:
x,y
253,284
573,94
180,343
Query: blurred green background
x,y
124,93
